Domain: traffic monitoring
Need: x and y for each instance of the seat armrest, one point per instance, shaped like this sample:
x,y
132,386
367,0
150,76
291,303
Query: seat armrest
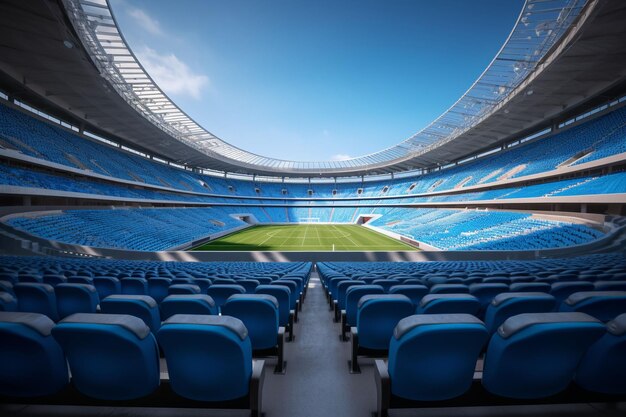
x,y
256,387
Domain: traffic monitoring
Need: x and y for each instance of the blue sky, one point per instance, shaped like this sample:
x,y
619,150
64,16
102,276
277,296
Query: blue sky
x,y
315,80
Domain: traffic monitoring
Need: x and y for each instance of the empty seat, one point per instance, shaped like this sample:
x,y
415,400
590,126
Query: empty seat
x,y
7,286
431,357
285,313
249,285
7,302
449,289
353,295
76,298
377,317
530,287
183,289
339,303
415,292
563,289
187,304
141,306
203,283
603,367
36,298
33,363
259,313
610,285
54,279
603,305
224,281
449,304
386,283
507,305
30,278
158,288
486,292
535,355
80,280
221,292
221,370
134,286
107,286
111,356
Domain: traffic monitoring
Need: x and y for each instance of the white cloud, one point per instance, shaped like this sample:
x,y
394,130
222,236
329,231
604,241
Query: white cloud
x,y
146,22
340,157
171,74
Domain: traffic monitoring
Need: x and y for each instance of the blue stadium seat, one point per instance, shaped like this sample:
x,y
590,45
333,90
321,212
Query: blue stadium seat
x,y
7,286
7,302
33,363
603,367
353,295
377,317
563,289
431,358
80,280
603,305
54,279
222,370
530,287
29,278
107,286
221,292
134,286
449,304
486,293
36,298
141,306
339,303
535,355
386,283
415,292
111,356
187,304
203,283
76,298
259,313
183,289
507,305
158,288
285,313
610,285
449,289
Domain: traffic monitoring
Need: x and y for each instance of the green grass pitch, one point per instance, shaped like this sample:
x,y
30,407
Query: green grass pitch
x,y
306,237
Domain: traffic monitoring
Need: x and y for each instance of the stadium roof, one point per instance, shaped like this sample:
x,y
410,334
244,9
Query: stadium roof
x,y
559,54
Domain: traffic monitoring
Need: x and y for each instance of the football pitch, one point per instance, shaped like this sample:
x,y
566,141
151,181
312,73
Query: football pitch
x,y
306,237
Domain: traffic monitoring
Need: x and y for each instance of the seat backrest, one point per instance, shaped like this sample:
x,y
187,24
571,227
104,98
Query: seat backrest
x,y
386,283
249,285
7,302
80,280
187,304
282,295
353,295
158,288
610,285
530,287
33,363
342,288
221,292
111,356
36,298
134,286
294,293
535,355
53,279
449,304
76,298
449,289
183,289
220,370
203,283
7,286
415,292
507,305
563,289
603,367
141,306
486,292
433,357
378,316
107,286
259,313
603,305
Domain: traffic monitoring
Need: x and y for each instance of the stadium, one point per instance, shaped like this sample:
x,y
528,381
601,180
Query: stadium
x,y
151,267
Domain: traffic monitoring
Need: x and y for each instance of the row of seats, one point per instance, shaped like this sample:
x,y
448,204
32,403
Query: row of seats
x,y
114,357
531,356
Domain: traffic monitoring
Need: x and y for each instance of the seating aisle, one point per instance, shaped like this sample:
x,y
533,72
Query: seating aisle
x,y
317,382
